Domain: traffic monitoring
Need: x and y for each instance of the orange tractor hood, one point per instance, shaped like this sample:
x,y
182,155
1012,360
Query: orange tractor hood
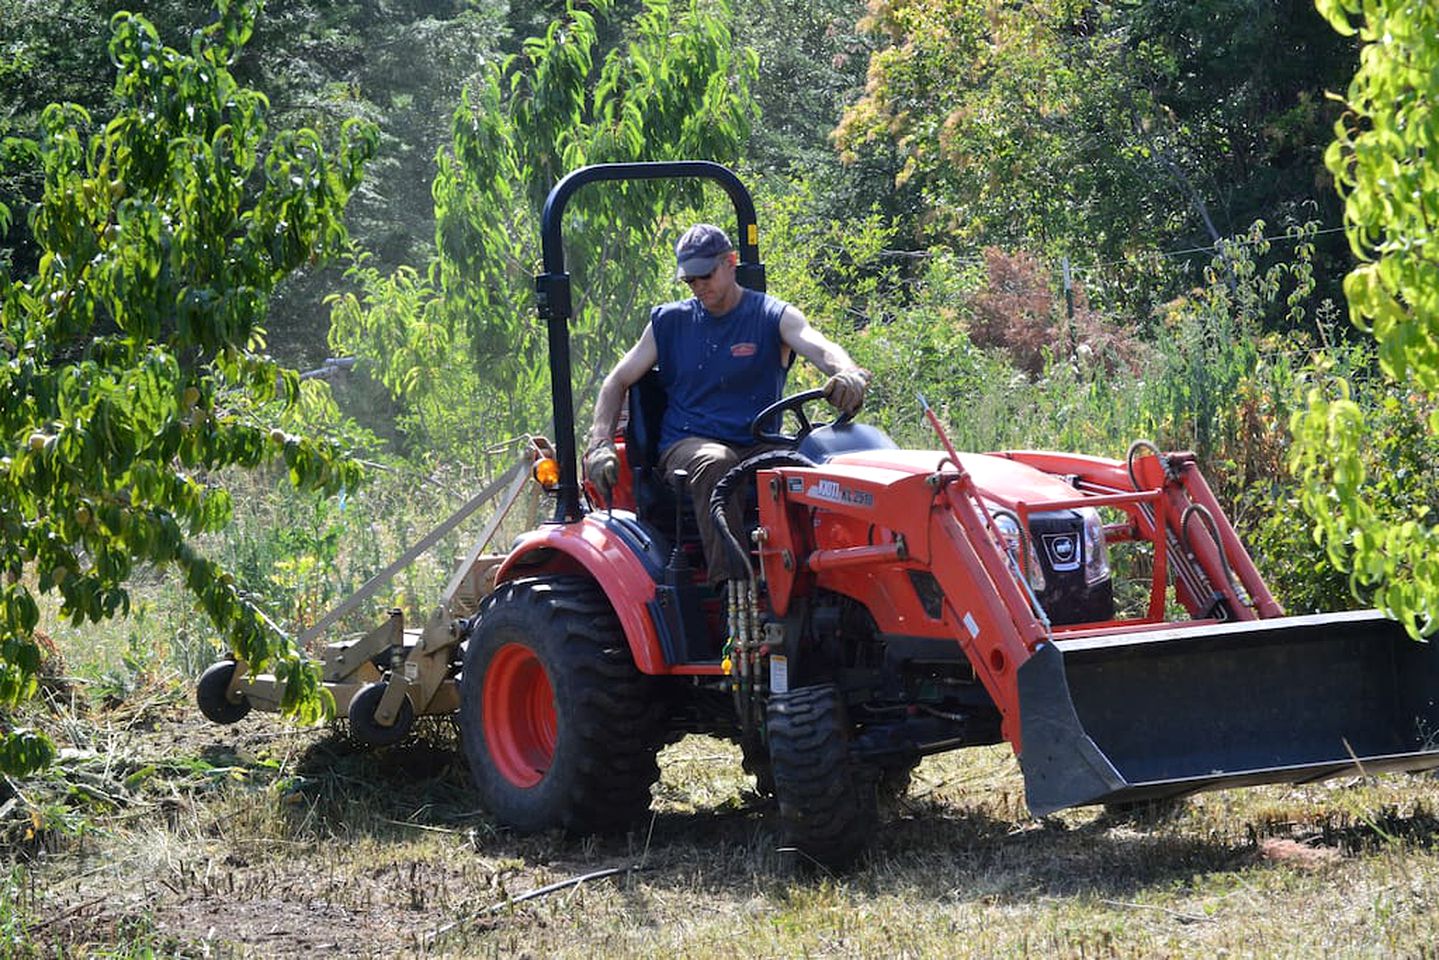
x,y
997,476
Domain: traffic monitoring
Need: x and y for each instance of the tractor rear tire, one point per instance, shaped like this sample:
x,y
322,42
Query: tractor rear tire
x,y
559,727
827,803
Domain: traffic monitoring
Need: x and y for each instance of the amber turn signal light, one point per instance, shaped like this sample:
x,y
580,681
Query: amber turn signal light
x,y
546,472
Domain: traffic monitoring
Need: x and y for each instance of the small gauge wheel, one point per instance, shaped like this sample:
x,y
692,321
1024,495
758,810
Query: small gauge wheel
x,y
213,696
366,729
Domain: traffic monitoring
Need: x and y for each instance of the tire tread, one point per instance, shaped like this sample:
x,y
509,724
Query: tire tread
x,y
827,806
612,713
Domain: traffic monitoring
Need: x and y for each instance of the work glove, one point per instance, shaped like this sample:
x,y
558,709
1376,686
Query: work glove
x,y
602,467
845,390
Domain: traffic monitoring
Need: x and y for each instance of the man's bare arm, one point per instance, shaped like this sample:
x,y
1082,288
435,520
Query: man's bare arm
x,y
809,343
633,365
847,383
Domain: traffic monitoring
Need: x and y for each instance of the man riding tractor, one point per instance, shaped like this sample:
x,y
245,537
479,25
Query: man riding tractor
x,y
722,355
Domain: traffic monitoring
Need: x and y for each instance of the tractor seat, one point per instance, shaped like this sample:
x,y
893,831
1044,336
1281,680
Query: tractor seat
x,y
654,499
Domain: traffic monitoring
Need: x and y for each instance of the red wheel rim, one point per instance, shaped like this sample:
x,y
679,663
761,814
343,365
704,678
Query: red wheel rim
x,y
519,713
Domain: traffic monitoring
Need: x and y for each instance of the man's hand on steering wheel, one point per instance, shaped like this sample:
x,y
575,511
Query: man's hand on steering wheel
x,y
845,390
768,423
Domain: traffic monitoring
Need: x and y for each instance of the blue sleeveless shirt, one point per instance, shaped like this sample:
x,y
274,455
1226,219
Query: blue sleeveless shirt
x,y
718,371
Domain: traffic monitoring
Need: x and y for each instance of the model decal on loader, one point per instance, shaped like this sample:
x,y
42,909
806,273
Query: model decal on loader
x,y
833,492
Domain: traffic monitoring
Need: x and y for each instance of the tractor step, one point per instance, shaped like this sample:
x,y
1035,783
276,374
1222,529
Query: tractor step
x,y
1181,709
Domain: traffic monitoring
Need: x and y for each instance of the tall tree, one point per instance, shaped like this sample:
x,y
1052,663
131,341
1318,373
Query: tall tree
x,y
130,374
811,63
49,53
459,343
1014,122
399,64
1099,129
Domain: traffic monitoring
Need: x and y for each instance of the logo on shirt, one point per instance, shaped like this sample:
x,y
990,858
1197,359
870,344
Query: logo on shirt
x,y
743,350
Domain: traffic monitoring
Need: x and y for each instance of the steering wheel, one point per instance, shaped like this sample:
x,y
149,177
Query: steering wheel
x,y
794,403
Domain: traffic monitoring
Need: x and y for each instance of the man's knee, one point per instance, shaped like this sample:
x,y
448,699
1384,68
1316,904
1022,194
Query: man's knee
x,y
707,461
713,460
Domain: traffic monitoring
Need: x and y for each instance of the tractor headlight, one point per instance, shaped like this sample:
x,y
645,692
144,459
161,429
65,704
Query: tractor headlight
x,y
1096,551
1009,529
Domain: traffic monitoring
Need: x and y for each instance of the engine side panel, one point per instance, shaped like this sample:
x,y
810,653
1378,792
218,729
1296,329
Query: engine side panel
x,y
863,530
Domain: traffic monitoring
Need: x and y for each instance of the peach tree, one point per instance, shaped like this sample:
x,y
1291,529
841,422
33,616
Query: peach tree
x,y
1354,484
457,343
131,371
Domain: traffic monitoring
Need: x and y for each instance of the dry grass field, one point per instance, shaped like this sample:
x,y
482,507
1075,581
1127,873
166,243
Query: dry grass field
x,y
159,835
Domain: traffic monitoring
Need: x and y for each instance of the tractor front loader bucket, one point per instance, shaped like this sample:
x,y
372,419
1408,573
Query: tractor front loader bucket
x,y
1181,709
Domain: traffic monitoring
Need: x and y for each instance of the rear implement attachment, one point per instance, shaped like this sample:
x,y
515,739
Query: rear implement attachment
x,y
383,680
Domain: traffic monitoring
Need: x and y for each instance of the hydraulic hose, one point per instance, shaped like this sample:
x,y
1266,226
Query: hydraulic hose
x,y
743,606
1217,600
1184,563
1149,445
737,473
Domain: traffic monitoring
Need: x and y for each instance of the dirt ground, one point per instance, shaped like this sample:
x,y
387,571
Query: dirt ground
x,y
265,840
159,834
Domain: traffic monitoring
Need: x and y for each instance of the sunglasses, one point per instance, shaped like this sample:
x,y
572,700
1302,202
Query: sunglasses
x,y
697,278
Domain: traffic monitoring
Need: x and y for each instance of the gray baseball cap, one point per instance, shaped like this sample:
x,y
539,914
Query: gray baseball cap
x,y
700,251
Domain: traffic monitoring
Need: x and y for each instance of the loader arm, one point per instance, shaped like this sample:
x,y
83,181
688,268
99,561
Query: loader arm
x,y
822,528
1120,710
1175,476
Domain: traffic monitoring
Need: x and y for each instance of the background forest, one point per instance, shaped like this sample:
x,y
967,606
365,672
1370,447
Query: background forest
x,y
1068,224
928,174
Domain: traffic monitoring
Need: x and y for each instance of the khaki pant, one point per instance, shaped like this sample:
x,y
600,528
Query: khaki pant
x,y
707,461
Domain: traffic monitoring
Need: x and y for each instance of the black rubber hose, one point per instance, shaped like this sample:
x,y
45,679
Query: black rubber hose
x,y
737,473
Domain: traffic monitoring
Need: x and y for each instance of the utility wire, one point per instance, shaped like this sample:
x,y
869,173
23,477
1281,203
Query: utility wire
x,y
1243,242
976,259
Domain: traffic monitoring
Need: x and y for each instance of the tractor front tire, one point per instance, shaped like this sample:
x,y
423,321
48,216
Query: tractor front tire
x,y
827,804
559,727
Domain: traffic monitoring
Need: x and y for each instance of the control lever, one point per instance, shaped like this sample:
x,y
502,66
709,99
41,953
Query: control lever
x,y
677,571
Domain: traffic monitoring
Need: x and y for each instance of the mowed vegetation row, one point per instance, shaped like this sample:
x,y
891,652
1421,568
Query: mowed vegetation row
x,y
232,194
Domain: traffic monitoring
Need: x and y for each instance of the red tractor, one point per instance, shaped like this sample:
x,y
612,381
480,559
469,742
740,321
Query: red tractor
x,y
902,603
